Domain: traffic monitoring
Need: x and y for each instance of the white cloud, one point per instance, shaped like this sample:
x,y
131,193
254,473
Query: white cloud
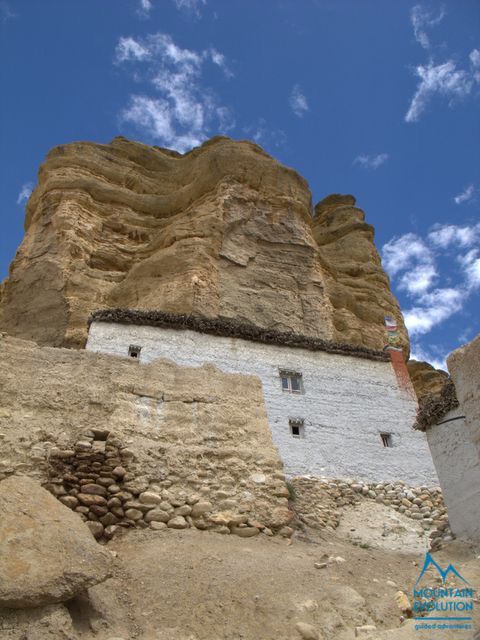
x,y
298,102
371,162
447,235
402,253
470,263
145,8
419,279
191,6
182,111
220,60
418,267
475,64
465,195
422,20
130,49
25,193
443,79
433,309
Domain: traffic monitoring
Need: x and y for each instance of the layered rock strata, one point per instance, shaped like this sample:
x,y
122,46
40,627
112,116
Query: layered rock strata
x,y
358,288
222,231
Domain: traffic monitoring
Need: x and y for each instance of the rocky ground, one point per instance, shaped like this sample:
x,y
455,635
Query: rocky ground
x,y
199,585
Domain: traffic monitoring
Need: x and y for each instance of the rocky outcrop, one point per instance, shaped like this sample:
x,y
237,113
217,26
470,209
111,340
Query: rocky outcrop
x,y
47,554
357,286
426,379
222,231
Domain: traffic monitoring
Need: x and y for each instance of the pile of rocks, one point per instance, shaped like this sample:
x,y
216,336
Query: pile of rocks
x,y
96,479
319,501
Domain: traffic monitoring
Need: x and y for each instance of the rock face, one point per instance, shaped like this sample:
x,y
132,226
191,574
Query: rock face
x,y
47,553
426,379
223,230
357,286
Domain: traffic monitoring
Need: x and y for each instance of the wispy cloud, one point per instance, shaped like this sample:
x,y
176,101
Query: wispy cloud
x,y
465,195
422,20
371,162
298,102
442,79
24,193
181,112
475,64
144,9
445,79
220,60
5,11
418,266
191,6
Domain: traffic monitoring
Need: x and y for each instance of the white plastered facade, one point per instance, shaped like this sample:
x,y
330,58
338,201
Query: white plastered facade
x,y
346,403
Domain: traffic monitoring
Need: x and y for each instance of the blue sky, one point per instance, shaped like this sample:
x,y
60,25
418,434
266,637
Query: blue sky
x,y
376,98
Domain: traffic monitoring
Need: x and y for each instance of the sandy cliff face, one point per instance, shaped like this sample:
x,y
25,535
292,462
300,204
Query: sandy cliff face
x,y
358,288
223,230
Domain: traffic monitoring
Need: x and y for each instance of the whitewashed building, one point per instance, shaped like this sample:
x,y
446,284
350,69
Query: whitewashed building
x,y
334,410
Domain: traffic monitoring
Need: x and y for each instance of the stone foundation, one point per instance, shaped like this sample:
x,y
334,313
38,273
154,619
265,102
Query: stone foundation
x,y
318,503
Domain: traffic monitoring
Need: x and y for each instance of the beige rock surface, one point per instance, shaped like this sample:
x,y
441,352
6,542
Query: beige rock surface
x,y
357,286
425,378
47,554
223,230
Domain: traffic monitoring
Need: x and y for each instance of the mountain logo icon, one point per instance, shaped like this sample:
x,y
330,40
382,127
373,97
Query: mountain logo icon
x,y
429,561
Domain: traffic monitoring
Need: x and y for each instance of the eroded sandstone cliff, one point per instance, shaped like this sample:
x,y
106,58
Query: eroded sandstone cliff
x,y
223,230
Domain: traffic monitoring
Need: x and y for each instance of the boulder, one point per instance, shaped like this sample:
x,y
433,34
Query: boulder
x,y
47,554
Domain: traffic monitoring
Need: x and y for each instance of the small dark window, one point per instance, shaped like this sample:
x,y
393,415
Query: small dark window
x,y
386,439
297,428
291,381
134,351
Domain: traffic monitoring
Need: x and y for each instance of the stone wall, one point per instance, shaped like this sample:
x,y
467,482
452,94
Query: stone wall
x,y
88,424
318,503
347,402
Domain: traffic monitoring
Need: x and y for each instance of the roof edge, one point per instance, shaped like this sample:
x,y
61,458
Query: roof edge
x,y
434,406
229,327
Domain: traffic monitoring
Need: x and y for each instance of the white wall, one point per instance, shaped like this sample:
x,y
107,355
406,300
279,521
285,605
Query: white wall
x,y
458,467
347,402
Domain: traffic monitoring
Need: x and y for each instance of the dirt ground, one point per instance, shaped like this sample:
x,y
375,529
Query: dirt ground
x,y
194,585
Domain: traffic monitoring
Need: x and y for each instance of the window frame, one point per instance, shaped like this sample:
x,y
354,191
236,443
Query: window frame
x,y
294,423
134,349
289,376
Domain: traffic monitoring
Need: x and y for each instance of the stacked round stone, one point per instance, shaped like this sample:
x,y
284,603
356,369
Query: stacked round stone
x,y
319,503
